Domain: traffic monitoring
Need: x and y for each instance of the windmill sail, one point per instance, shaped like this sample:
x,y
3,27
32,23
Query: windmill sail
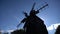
x,y
33,6
43,7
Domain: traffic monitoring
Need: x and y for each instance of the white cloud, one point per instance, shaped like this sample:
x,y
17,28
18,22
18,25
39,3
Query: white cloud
x,y
56,25
10,30
50,27
53,26
1,30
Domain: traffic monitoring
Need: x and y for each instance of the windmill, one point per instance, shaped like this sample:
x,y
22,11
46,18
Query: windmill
x,y
33,24
26,15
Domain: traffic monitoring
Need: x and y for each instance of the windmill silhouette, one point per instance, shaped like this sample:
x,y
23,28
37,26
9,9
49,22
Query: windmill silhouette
x,y
34,24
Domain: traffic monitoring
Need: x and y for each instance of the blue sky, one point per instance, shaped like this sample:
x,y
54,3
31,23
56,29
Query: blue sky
x,y
11,12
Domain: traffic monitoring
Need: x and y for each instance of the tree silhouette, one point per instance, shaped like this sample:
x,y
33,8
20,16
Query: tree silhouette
x,y
0,32
58,30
